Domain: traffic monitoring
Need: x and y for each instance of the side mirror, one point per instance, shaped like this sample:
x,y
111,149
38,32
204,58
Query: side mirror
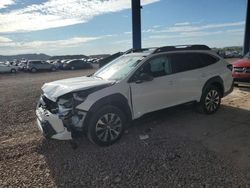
x,y
144,77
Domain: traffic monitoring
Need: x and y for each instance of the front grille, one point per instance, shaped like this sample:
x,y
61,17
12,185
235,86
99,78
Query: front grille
x,y
242,69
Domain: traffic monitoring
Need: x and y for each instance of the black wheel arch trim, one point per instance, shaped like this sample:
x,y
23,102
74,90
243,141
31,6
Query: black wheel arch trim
x,y
117,100
217,80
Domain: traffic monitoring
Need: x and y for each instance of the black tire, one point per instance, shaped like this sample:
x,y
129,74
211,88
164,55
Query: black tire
x,y
72,68
13,70
103,125
33,70
210,100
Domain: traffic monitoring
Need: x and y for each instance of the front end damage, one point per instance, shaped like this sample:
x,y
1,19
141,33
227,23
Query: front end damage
x,y
57,114
59,119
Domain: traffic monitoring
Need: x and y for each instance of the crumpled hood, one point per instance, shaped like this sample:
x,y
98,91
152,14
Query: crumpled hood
x,y
53,90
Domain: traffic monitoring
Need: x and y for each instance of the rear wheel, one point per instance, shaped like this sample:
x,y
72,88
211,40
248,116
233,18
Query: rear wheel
x,y
106,126
72,68
13,70
210,100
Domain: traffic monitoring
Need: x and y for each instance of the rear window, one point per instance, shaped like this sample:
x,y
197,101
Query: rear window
x,y
189,61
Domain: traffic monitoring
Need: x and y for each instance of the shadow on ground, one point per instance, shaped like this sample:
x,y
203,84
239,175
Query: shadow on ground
x,y
183,149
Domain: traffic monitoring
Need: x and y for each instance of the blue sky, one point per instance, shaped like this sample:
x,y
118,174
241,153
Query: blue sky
x,y
58,27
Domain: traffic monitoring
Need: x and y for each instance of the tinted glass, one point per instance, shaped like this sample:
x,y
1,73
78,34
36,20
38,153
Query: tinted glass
x,y
190,61
208,59
180,63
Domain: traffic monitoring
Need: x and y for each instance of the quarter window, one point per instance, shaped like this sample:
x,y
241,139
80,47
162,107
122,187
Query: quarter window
x,y
208,59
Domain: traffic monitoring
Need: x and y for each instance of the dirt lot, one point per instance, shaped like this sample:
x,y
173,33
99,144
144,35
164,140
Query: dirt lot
x,y
184,148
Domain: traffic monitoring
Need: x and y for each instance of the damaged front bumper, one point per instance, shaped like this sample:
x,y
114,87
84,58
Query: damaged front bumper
x,y
54,124
51,125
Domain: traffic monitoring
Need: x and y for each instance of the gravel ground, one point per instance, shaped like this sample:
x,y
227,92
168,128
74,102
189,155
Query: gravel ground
x,y
165,159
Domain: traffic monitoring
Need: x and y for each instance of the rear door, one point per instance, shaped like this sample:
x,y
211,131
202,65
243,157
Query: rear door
x,y
189,74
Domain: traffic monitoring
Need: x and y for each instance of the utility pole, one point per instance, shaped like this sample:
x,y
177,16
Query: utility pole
x,y
136,23
246,47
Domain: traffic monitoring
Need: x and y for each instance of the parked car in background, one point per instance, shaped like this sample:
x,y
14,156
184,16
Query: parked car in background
x,y
23,65
7,68
38,65
58,64
76,64
241,69
137,83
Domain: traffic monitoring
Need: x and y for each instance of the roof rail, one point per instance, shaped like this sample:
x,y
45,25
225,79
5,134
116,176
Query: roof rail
x,y
139,50
181,47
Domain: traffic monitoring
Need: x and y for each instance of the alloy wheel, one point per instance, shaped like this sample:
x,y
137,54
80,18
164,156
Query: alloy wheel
x,y
108,127
212,100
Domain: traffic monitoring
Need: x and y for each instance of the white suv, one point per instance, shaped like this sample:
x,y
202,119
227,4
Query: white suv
x,y
130,86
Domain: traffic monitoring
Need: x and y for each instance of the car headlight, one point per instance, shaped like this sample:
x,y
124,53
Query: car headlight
x,y
71,100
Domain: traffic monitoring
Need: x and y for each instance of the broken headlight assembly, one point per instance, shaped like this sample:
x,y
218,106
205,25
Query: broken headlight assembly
x,y
68,102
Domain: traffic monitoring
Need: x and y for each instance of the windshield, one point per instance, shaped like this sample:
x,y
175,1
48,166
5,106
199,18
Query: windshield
x,y
119,68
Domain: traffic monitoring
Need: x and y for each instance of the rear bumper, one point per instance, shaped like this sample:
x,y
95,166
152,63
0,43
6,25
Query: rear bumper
x,y
229,91
51,125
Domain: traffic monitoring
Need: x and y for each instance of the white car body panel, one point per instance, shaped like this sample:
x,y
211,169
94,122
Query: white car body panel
x,y
142,98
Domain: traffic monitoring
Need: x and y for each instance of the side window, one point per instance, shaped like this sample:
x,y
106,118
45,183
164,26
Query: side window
x,y
179,63
159,66
188,61
208,59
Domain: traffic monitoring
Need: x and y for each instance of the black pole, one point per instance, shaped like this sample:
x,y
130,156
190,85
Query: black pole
x,y
136,23
247,30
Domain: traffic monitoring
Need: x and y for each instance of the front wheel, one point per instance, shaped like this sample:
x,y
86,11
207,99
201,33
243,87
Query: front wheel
x,y
210,100
33,70
106,126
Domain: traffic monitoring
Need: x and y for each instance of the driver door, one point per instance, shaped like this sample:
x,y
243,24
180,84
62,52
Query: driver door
x,y
148,96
